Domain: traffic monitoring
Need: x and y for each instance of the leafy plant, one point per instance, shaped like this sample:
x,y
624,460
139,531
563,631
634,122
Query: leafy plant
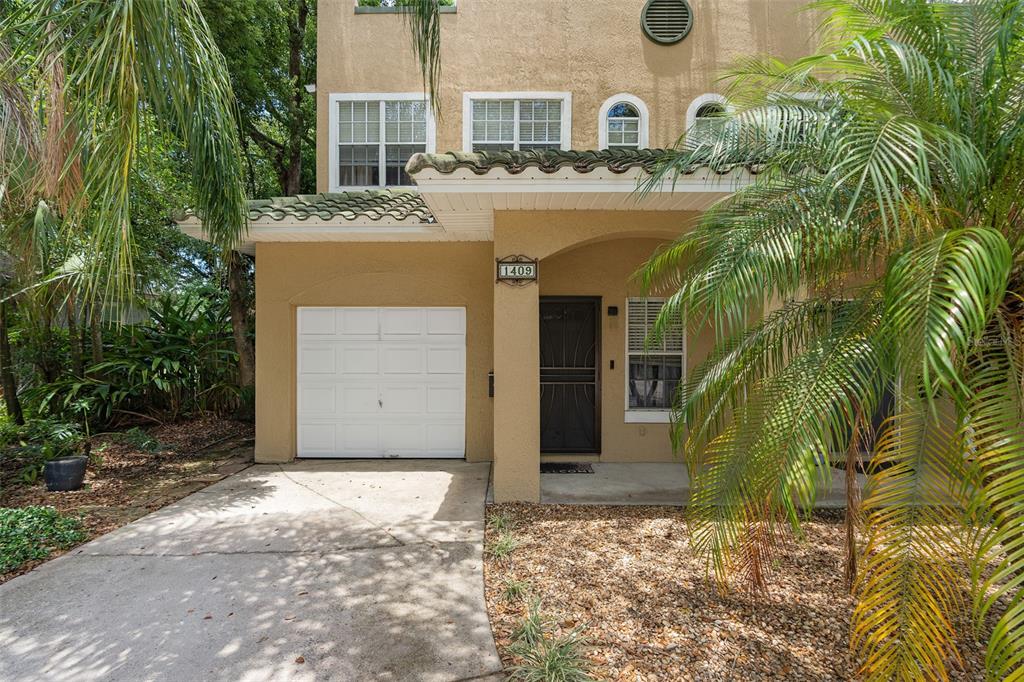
x,y
138,439
499,521
503,546
514,590
29,533
545,656
24,449
180,361
887,211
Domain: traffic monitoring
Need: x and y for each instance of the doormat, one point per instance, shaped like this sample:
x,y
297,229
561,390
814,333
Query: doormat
x,y
566,468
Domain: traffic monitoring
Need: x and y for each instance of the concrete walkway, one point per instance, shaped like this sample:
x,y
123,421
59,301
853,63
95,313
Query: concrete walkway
x,y
654,484
358,570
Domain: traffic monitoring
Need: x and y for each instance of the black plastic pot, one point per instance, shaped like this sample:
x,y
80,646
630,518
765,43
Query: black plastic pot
x,y
65,473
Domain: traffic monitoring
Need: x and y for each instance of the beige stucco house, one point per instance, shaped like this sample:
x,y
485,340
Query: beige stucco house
x,y
461,285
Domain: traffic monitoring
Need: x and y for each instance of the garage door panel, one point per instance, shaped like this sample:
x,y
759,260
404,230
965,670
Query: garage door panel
x,y
317,438
402,360
317,400
360,360
381,382
403,399
400,322
317,359
359,440
359,323
361,400
317,321
443,360
399,438
445,400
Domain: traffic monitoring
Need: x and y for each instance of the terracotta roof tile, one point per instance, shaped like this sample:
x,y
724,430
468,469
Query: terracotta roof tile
x,y
617,160
374,204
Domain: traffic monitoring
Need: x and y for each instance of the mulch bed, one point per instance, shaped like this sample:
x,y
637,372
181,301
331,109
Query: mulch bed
x,y
128,482
651,612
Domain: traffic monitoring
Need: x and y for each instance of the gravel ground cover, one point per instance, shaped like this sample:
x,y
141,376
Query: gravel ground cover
x,y
128,480
651,612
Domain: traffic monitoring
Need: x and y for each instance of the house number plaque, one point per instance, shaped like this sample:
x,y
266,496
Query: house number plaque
x,y
517,270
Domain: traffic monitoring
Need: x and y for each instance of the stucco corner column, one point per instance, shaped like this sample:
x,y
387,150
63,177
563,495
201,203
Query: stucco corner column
x,y
516,392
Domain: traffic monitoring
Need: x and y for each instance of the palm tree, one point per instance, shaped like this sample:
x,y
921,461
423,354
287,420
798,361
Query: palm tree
x,y
887,217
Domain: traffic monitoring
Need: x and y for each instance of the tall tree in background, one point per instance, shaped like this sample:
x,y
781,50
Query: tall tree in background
x,y
270,50
889,213
86,86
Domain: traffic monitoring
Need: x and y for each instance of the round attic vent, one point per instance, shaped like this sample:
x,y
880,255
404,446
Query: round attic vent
x,y
666,21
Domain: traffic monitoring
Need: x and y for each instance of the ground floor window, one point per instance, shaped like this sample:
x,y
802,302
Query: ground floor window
x,y
655,368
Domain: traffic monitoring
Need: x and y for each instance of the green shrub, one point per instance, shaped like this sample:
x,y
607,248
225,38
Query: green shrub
x,y
500,521
546,656
503,546
32,533
515,589
180,361
138,439
25,449
398,3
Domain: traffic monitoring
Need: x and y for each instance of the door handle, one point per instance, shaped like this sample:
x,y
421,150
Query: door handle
x,y
380,402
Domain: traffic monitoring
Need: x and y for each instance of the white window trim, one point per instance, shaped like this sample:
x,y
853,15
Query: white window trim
x,y
636,415
696,104
467,113
602,119
332,135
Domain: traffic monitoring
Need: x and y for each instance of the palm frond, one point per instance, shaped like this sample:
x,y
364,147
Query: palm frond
x,y
911,585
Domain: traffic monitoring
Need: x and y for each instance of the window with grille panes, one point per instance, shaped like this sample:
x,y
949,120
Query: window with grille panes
x,y
376,139
709,121
655,368
623,126
504,124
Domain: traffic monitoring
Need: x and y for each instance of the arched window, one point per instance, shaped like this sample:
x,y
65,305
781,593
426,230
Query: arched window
x,y
622,123
705,115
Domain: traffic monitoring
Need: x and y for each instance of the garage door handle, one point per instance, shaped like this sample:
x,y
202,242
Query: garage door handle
x,y
380,402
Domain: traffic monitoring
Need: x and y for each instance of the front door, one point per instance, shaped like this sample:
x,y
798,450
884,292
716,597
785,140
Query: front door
x,y
570,387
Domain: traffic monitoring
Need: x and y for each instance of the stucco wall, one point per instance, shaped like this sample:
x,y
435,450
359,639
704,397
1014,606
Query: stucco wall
x,y
604,269
592,48
393,274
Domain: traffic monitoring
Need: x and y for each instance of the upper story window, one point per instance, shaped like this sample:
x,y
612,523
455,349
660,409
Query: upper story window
x,y
623,123
705,116
655,369
501,121
373,136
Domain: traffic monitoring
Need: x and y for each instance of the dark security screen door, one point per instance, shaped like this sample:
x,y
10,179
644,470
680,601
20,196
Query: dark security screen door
x,y
569,381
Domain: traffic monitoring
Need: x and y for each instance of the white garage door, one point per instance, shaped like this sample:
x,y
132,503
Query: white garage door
x,y
381,382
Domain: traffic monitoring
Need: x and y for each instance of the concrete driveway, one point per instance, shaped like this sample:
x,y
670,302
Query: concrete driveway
x,y
357,570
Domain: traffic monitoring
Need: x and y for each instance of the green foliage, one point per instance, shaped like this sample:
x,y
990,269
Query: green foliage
x,y
503,546
400,3
499,521
546,656
139,440
514,590
26,448
887,212
180,361
30,533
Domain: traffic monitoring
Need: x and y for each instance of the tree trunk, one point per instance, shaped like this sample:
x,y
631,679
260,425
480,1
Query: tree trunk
x,y
292,180
44,359
96,331
852,505
8,381
74,336
239,305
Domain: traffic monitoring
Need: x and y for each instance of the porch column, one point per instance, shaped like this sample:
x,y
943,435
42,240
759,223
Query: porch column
x,y
516,384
